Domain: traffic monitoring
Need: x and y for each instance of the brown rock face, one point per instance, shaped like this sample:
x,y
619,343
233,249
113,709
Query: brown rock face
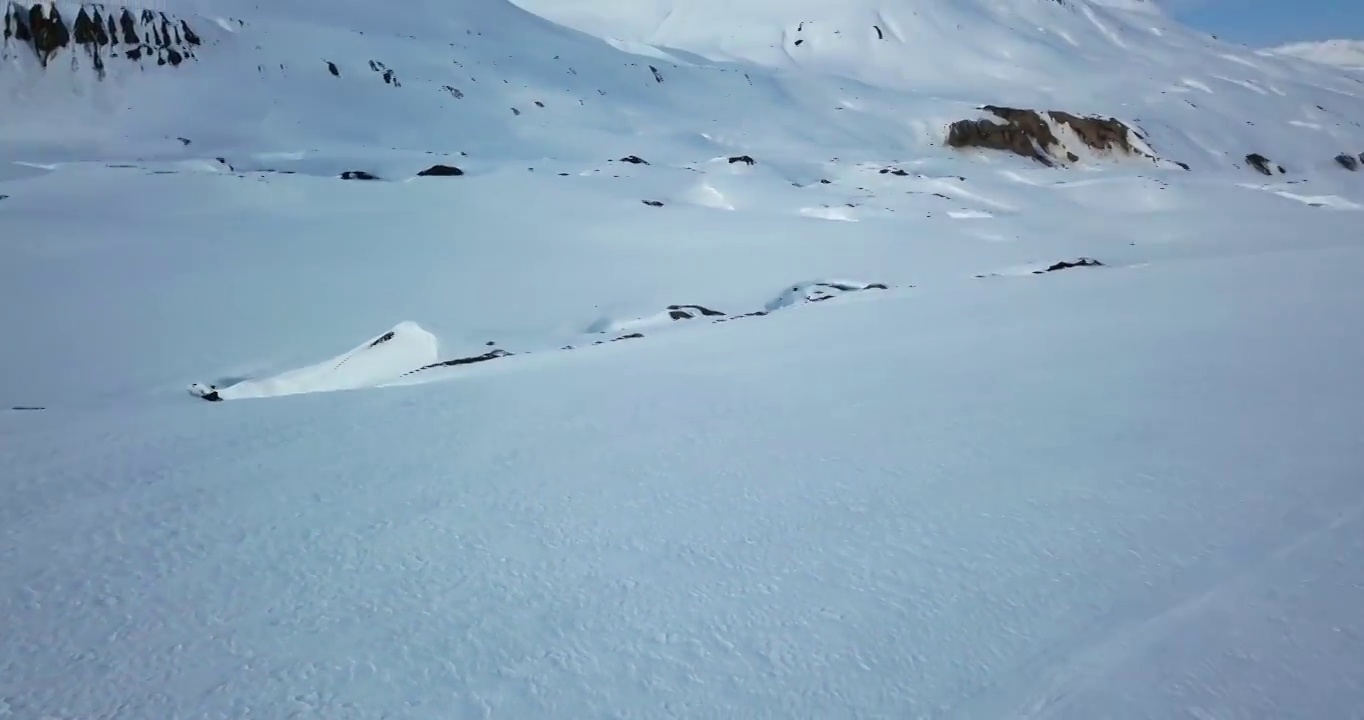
x,y
991,135
1027,133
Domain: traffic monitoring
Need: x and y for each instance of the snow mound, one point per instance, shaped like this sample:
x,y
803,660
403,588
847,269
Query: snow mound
x,y
385,358
672,314
811,292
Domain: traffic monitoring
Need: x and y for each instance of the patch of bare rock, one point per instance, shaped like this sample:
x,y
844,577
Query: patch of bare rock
x,y
103,32
1031,134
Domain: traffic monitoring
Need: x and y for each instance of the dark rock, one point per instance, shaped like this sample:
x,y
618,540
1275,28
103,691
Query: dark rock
x,y
653,203
27,408
698,308
43,27
1063,265
825,182
539,104
631,336
358,175
441,171
1260,163
1183,165
742,159
658,76
634,160
128,25
331,68
49,32
800,42
485,357
88,30
184,141
1347,161
879,35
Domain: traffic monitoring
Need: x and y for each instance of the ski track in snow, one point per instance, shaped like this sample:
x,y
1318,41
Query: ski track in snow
x,y
711,385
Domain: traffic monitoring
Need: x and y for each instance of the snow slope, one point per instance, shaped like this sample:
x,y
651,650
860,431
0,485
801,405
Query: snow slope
x,y
1342,53
715,386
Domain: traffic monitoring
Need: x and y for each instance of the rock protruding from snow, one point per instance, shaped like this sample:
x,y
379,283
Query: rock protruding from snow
x,y
102,32
441,171
1348,161
1068,264
1263,165
819,292
1032,134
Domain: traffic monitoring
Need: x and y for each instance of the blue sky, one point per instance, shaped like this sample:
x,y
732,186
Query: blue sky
x,y
1272,22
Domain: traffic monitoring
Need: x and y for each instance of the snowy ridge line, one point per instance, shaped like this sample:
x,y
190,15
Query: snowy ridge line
x,y
407,349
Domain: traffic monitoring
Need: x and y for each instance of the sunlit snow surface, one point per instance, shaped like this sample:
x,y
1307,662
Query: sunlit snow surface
x,y
898,467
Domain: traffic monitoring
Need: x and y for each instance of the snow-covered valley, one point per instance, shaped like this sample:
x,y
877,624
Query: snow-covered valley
x,y
739,364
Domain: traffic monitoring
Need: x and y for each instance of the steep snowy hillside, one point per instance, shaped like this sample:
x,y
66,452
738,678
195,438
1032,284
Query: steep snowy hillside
x,y
665,359
493,78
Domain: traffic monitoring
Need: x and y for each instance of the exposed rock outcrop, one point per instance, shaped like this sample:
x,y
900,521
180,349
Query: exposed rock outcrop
x,y
102,32
1262,164
1030,133
1066,265
441,171
1348,161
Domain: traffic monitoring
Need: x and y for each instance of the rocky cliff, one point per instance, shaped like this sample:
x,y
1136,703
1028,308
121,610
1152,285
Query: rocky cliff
x,y
104,34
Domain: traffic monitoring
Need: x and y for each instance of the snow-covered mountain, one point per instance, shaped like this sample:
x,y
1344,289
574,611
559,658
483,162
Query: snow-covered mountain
x,y
765,358
1341,53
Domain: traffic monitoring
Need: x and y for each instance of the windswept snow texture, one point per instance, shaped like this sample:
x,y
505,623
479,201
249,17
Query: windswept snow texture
x,y
944,434
1341,53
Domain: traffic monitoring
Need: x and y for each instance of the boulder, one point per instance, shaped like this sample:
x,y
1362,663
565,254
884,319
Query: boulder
x,y
441,171
1260,163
